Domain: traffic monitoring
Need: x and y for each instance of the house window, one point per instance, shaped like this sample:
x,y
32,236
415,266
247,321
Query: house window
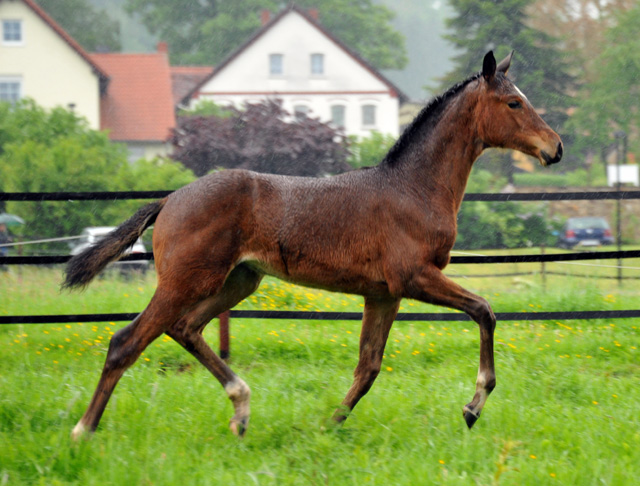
x,y
368,116
338,115
317,64
275,64
12,32
301,111
10,89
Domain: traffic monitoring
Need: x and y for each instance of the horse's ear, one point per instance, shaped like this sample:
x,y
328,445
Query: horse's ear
x,y
489,66
503,66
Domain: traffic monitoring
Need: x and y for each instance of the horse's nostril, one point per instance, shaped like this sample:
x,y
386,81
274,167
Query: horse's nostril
x,y
559,151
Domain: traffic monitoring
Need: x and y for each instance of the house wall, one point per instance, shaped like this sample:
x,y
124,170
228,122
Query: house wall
x,y
345,80
51,72
147,150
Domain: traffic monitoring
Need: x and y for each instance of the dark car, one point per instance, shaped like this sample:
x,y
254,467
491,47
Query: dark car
x,y
585,232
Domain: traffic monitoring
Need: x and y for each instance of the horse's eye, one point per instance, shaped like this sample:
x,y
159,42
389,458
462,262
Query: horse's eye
x,y
514,105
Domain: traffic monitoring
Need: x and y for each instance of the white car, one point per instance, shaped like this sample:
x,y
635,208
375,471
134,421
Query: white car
x,y
90,236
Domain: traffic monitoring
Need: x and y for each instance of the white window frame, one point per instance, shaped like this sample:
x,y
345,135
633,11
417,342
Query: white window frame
x,y
276,60
12,42
317,64
300,109
16,80
342,108
366,122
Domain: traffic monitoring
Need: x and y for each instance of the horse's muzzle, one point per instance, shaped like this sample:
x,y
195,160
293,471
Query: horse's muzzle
x,y
553,160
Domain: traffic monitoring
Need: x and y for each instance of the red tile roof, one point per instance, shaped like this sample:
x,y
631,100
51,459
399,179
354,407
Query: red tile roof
x,y
138,105
185,78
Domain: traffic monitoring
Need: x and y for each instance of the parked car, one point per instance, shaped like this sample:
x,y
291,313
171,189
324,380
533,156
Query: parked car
x,y
90,236
589,231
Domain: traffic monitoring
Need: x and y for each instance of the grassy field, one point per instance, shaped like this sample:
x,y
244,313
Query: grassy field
x,y
565,411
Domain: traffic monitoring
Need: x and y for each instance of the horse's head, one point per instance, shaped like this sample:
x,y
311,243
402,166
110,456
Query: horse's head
x,y
507,119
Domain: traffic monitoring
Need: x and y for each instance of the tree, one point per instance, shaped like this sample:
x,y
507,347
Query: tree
x,y
612,101
262,137
51,151
484,225
369,151
540,69
93,29
206,31
579,25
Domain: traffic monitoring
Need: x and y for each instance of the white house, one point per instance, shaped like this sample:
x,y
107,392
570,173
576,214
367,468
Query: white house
x,y
128,95
39,60
294,58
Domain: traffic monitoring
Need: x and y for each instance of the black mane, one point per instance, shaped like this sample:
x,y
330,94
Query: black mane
x,y
430,114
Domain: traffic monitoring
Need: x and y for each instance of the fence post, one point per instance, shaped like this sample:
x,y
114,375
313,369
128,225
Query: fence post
x,y
543,269
224,335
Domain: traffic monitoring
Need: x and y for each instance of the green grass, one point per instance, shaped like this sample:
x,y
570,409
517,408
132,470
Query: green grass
x,y
565,411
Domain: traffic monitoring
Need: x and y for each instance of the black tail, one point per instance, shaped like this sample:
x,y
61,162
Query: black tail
x,y
83,267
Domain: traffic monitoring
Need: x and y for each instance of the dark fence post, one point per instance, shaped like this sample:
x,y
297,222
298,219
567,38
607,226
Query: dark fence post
x,y
543,269
224,335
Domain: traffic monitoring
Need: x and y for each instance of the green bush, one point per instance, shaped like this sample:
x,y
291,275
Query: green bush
x,y
369,151
56,151
501,224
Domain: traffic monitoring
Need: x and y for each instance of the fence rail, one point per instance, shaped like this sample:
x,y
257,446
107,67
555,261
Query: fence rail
x,y
336,316
528,258
503,316
488,197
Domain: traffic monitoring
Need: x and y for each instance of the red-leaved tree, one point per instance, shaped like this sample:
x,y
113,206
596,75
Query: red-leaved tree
x,y
262,137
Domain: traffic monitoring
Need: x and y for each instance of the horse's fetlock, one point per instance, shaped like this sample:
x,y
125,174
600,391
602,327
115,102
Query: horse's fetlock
x,y
238,390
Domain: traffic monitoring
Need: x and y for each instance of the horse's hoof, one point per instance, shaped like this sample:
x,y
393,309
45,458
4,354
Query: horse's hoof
x,y
239,427
80,432
340,415
470,418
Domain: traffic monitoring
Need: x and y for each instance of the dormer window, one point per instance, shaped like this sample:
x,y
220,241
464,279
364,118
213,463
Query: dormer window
x,y
317,64
12,32
276,64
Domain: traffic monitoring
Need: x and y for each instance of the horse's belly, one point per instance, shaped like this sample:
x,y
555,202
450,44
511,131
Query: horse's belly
x,y
346,277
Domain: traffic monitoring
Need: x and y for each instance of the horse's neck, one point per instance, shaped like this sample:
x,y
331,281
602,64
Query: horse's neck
x,y
445,155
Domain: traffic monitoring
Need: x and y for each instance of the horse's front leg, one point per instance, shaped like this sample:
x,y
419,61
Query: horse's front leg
x,y
433,287
376,323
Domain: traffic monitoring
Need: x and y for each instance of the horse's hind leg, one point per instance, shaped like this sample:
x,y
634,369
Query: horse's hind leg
x,y
125,347
187,331
376,324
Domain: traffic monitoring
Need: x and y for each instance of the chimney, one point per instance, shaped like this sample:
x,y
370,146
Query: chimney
x,y
162,47
265,16
314,14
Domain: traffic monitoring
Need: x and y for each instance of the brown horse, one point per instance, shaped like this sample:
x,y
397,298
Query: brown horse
x,y
384,233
